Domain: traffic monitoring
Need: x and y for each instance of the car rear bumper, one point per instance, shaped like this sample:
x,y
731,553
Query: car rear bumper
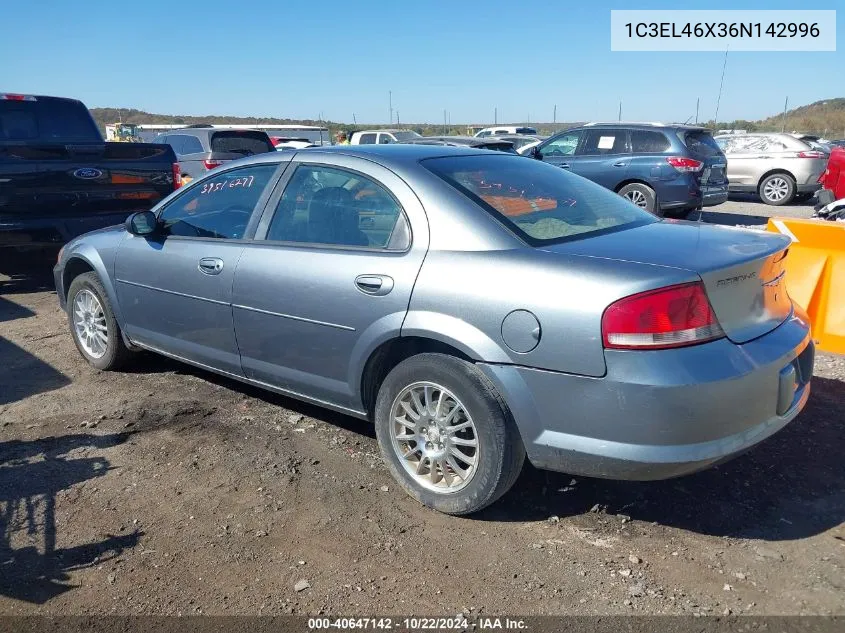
x,y
688,194
665,413
44,232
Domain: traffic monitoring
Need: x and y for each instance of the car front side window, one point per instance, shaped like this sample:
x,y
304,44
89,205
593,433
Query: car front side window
x,y
330,206
217,207
562,145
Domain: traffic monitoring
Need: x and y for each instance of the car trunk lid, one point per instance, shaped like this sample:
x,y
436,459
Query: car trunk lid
x,y
742,270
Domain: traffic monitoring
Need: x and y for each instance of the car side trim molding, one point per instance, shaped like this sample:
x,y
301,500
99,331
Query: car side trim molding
x,y
172,292
258,383
294,318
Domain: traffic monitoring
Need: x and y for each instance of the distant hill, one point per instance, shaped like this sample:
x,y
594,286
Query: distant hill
x,y
825,118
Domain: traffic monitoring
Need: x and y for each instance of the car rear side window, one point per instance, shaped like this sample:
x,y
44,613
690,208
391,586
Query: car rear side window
x,y
649,142
243,142
187,144
701,143
218,207
47,120
324,205
367,139
600,142
539,202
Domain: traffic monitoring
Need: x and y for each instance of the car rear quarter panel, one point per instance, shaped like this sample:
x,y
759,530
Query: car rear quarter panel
x,y
462,298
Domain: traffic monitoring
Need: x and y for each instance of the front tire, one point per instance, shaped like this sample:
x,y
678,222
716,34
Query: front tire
x,y
641,195
777,189
92,324
446,434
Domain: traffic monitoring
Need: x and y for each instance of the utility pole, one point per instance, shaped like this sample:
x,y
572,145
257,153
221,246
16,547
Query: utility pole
x,y
354,120
495,116
697,100
554,118
721,83
783,119
620,110
444,122
397,118
390,104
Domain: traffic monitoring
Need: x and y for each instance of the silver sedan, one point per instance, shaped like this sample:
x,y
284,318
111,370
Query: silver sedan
x,y
478,307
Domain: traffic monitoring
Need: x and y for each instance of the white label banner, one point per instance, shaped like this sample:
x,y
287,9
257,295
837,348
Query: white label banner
x,y
709,30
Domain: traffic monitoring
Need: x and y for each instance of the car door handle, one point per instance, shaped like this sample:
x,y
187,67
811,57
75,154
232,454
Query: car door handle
x,y
211,265
376,285
563,165
621,163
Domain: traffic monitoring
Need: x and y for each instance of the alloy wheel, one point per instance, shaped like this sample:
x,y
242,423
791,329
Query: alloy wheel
x,y
89,322
434,437
776,189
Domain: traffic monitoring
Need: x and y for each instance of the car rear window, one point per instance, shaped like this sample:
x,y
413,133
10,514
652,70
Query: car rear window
x,y
245,142
540,203
526,130
701,143
46,120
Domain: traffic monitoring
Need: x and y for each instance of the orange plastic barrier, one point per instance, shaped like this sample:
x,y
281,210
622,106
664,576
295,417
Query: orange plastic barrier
x,y
815,276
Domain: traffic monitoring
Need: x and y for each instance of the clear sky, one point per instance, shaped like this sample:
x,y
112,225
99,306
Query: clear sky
x,y
333,58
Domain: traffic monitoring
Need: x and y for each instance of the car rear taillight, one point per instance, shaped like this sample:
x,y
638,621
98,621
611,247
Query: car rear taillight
x,y
11,97
811,154
211,164
177,176
674,316
684,164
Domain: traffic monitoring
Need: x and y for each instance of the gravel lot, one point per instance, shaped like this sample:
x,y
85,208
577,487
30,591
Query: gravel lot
x,y
168,490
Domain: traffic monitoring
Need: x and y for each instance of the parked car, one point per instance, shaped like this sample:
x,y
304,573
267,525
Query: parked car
x,y
493,143
665,169
476,306
288,142
202,148
521,140
382,137
814,141
59,179
777,167
498,130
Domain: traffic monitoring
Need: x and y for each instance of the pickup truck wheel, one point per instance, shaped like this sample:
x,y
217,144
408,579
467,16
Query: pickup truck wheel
x,y
777,189
446,434
641,195
92,324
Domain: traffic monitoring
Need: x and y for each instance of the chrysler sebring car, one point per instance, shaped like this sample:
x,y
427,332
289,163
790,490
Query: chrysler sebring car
x,y
475,306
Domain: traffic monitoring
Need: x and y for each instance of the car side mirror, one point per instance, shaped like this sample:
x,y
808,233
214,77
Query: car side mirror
x,y
142,223
536,153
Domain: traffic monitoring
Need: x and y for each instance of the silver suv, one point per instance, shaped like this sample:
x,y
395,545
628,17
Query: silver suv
x,y
778,167
199,149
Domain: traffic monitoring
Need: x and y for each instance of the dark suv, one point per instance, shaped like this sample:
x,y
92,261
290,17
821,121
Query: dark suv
x,y
667,169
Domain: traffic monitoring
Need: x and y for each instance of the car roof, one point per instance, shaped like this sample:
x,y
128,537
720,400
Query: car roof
x,y
392,155
392,129
460,140
645,125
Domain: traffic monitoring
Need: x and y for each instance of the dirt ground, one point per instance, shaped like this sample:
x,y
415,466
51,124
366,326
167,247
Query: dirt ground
x,y
168,490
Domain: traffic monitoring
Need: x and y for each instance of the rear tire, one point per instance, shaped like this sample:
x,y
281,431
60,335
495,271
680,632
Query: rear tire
x,y
92,324
777,189
641,195
462,451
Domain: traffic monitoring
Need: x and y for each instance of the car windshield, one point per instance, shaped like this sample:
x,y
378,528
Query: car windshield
x,y
541,203
406,135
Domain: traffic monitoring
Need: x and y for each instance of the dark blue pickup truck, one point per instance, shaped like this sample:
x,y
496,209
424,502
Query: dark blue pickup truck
x,y
59,179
